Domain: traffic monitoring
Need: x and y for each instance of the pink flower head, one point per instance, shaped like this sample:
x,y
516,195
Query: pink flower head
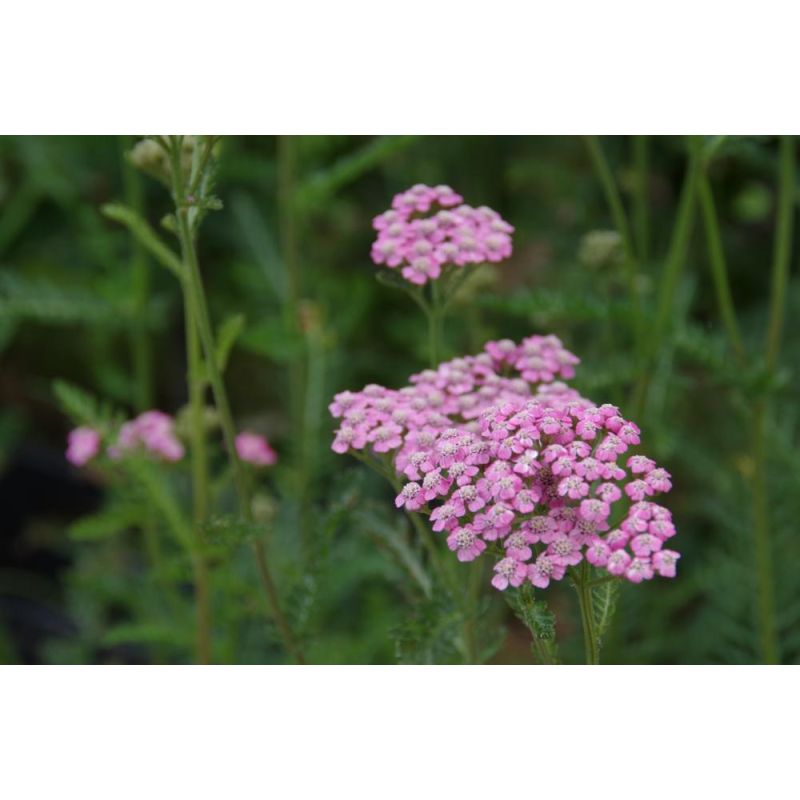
x,y
153,431
501,450
255,449
83,444
428,228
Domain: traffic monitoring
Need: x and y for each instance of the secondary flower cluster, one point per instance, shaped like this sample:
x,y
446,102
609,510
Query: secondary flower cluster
x,y
153,432
507,459
454,234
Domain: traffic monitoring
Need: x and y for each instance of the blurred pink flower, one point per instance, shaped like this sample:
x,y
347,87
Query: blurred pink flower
x,y
83,444
255,450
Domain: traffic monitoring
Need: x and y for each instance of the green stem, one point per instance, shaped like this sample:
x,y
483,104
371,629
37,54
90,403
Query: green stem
x,y
767,622
474,583
435,313
200,483
673,269
719,268
765,600
583,588
783,250
298,368
620,219
200,309
141,355
641,159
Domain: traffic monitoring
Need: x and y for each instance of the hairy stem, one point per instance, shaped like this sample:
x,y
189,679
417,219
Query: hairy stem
x,y
582,587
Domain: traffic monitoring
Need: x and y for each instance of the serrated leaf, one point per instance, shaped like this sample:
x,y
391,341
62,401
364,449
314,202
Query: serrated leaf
x,y
604,604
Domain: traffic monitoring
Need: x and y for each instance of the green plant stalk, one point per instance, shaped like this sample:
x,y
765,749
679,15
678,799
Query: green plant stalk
x,y
228,430
288,223
141,354
620,219
765,599
673,269
474,581
678,247
435,313
719,268
767,622
641,221
582,587
203,324
783,250
199,460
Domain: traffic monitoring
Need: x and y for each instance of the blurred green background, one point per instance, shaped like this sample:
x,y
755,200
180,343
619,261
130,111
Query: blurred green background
x,y
78,302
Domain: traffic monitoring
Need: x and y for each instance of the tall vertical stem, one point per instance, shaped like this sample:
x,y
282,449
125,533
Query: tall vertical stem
x,y
620,219
783,250
141,355
202,324
641,221
719,268
298,369
670,277
199,460
767,622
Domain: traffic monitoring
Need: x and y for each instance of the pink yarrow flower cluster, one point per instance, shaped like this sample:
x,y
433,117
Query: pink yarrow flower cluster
x,y
255,449
430,228
153,432
508,460
83,444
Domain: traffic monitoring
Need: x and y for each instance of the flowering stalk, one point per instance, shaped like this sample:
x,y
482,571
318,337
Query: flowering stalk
x,y
185,219
436,249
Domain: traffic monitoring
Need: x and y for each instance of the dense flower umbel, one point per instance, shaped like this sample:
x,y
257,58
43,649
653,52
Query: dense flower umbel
x,y
429,228
510,461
